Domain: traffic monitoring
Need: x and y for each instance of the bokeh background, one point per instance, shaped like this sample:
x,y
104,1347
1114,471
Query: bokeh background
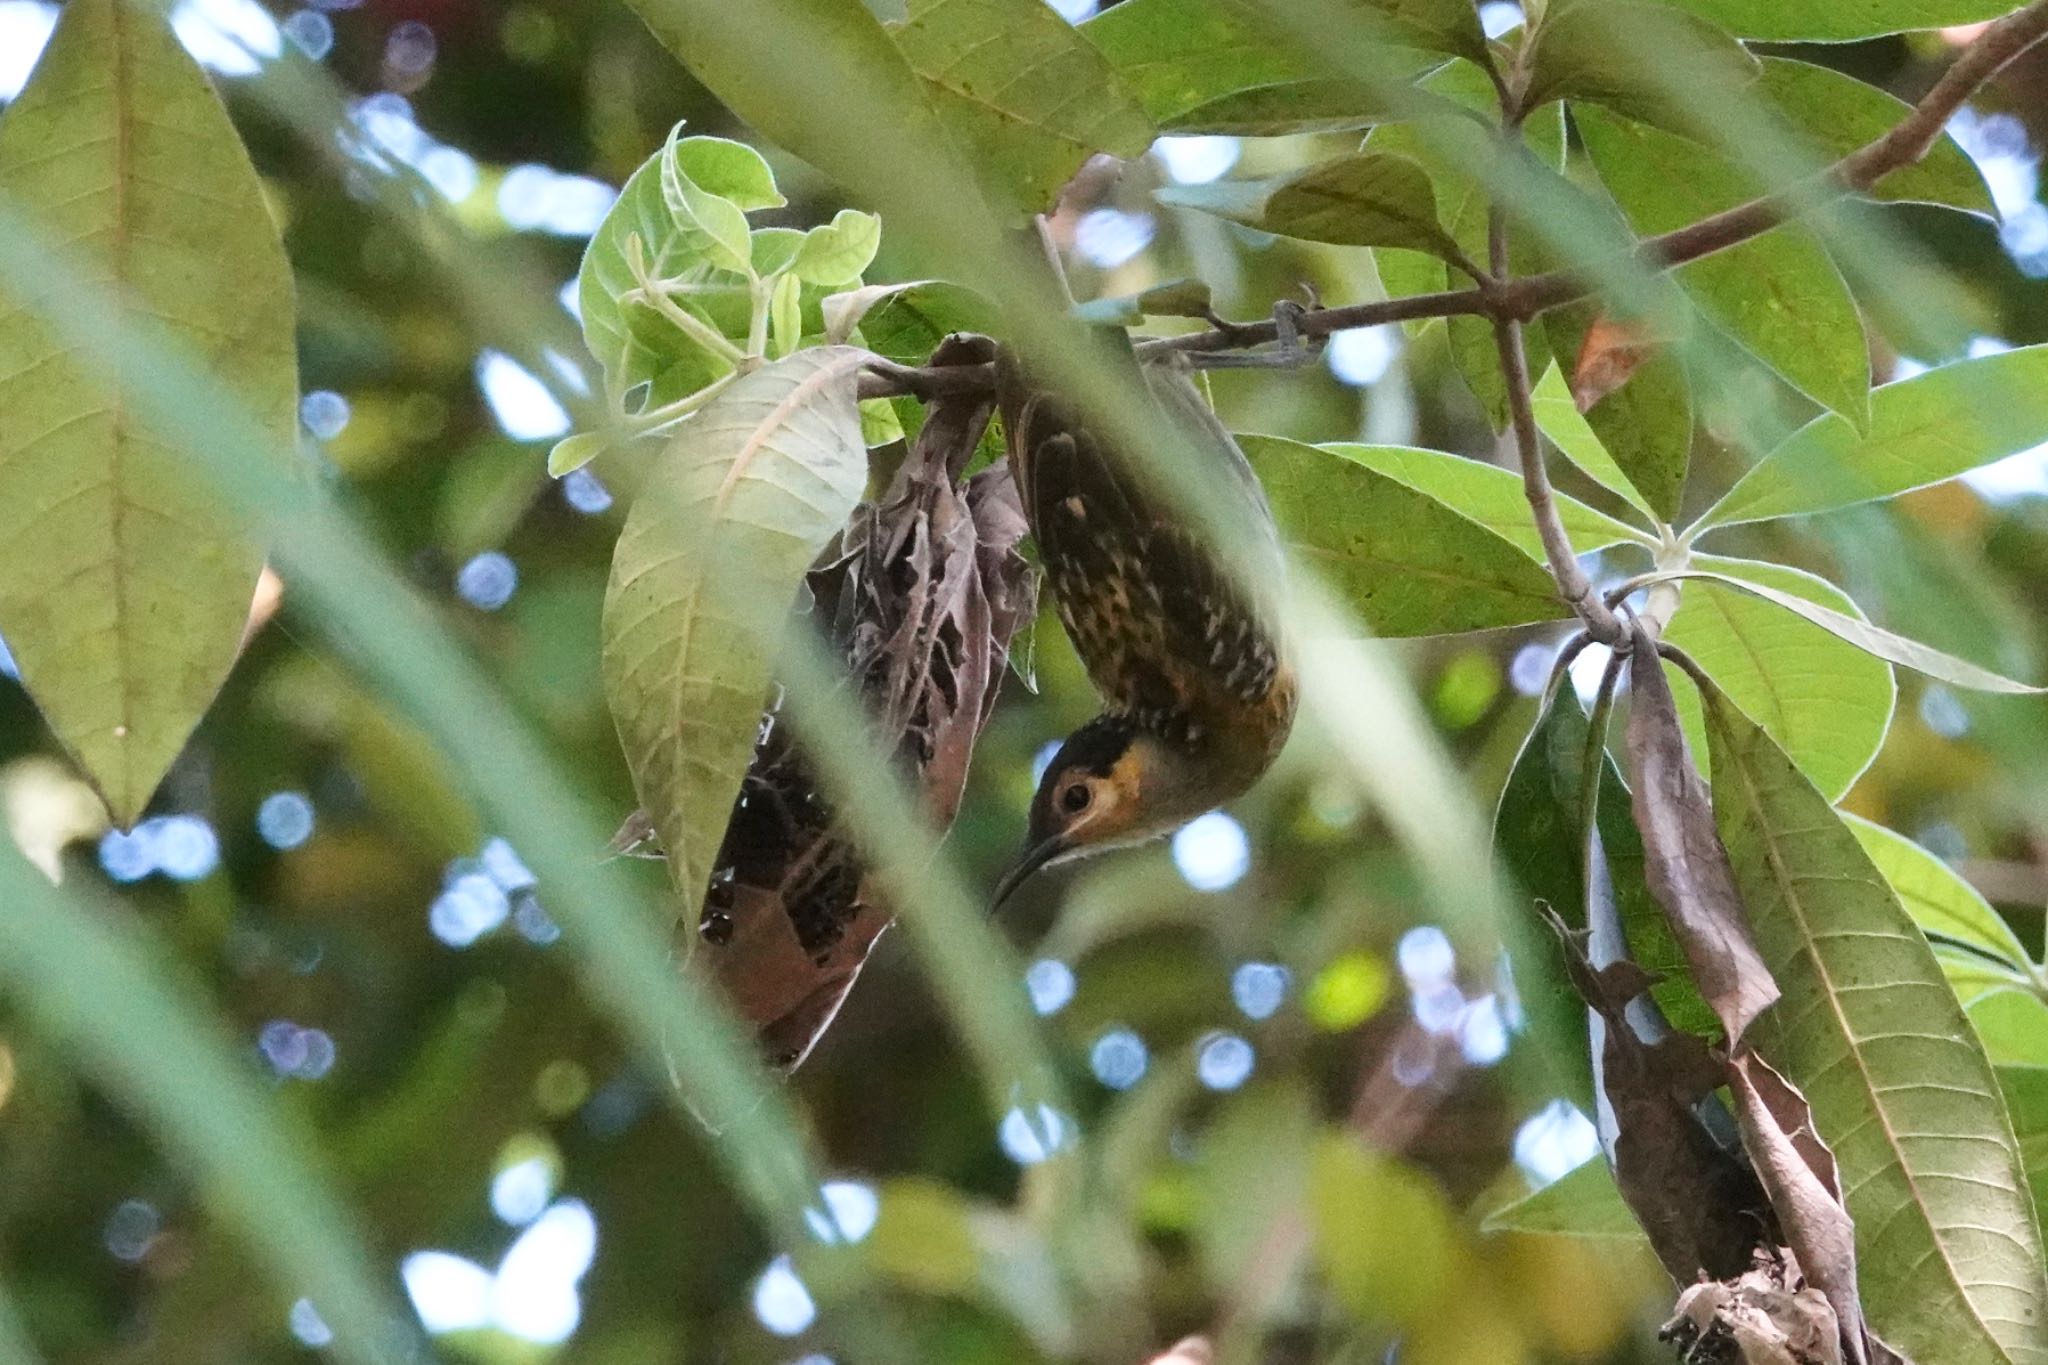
x,y
391,967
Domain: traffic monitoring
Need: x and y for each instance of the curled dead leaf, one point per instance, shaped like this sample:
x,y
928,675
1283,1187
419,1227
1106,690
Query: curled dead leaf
x,y
1612,351
1686,866
920,598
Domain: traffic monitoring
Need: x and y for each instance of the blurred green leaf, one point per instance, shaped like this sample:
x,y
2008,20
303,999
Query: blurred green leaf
x,y
923,1239
1824,700
1252,1176
744,498
1871,639
1359,199
1834,114
1003,78
2013,1026
1488,494
90,982
1213,66
1948,1251
1384,1235
124,588
1831,21
835,254
1627,55
1944,905
1405,562
1778,295
1584,1203
1923,430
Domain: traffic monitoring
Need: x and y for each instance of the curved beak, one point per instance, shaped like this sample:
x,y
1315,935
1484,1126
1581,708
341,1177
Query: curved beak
x,y
1020,871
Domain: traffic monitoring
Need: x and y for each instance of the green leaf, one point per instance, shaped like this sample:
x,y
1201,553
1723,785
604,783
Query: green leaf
x,y
1626,55
89,979
1584,1203
1405,562
2013,1027
2026,1096
1823,699
573,452
1834,21
1170,299
1944,905
634,343
1383,1234
1923,430
1557,414
125,586
1646,425
785,314
744,498
709,223
837,253
908,322
1359,199
731,170
1778,295
1490,495
1835,114
1882,643
1949,1252
1005,78
1213,66
843,312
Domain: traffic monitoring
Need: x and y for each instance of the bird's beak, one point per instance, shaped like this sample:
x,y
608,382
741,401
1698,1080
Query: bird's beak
x,y
1020,872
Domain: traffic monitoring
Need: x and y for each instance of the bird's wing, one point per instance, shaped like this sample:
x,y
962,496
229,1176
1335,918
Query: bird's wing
x,y
1159,623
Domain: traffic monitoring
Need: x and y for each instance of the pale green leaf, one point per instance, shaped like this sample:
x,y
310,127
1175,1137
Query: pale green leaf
x,y
744,498
634,343
1489,495
836,253
125,585
573,452
1940,901
2013,1026
1835,114
1359,199
708,222
1948,1249
785,315
1872,639
1584,1203
1557,413
1027,98
1833,21
1824,700
1923,430
1778,295
731,170
1402,560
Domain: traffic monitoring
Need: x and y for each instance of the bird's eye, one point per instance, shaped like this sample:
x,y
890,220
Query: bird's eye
x,y
1075,798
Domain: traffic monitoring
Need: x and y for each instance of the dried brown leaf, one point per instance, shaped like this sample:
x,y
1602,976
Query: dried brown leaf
x,y
1685,863
921,599
1698,1204
1610,353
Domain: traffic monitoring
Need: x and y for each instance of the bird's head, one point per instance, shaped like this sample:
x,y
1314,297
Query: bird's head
x,y
1111,784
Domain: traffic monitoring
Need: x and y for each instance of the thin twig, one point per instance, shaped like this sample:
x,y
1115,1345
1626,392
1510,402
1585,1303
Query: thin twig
x,y
1573,585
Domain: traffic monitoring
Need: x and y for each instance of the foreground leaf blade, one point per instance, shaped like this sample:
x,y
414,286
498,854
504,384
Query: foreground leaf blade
x,y
101,992
1870,1031
1830,21
124,589
744,499
1407,563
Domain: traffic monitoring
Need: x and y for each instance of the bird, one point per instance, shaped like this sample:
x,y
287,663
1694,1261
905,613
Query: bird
x,y
1198,691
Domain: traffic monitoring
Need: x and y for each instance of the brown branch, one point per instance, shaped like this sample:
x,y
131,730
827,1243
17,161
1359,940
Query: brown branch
x,y
1573,585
